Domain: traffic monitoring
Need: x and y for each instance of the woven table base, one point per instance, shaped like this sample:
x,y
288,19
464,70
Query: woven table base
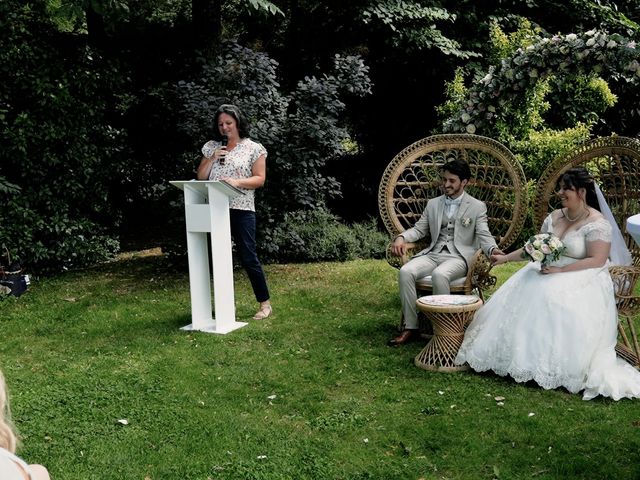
x,y
449,324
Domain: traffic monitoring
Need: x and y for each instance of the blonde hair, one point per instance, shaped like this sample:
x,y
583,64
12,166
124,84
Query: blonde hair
x,y
8,438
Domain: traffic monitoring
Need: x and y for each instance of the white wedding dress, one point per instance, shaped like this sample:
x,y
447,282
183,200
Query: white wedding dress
x,y
9,466
558,329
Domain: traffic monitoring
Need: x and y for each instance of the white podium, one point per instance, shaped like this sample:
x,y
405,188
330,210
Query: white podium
x,y
206,207
633,227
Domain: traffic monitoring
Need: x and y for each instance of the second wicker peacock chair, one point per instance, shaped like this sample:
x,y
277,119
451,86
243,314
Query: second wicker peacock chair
x,y
615,164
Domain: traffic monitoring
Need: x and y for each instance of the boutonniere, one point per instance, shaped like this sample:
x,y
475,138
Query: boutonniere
x,y
466,222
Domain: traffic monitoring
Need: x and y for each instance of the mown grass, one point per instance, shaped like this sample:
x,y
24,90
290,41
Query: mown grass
x,y
311,393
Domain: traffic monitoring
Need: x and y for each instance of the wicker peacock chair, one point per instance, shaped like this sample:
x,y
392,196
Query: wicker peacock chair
x,y
615,164
413,177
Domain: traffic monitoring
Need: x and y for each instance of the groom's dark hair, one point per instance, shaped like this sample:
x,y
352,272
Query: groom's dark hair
x,y
458,167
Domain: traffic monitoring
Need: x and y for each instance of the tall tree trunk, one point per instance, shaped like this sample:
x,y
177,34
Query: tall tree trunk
x,y
292,59
96,28
207,25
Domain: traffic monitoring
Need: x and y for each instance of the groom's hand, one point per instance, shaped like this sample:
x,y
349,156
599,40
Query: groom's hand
x,y
399,247
497,257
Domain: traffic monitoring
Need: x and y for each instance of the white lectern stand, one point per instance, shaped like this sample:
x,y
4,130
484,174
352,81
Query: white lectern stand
x,y
206,207
633,227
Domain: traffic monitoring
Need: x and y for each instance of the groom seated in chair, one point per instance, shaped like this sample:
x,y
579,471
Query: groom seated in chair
x,y
457,224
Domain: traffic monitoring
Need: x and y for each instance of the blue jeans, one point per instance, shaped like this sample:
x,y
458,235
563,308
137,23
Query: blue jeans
x,y
243,231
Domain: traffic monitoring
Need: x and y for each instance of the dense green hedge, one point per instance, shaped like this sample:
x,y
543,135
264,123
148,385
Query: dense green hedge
x,y
301,129
60,152
319,235
68,171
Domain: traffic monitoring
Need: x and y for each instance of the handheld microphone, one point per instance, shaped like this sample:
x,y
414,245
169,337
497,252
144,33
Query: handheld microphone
x,y
224,141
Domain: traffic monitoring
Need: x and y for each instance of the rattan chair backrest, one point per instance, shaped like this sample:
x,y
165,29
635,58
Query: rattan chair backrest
x,y
615,164
413,177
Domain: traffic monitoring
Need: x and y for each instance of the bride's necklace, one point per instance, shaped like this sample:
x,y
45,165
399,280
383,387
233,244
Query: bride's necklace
x,y
579,217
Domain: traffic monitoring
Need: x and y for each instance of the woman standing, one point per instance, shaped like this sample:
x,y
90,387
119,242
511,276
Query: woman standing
x,y
233,157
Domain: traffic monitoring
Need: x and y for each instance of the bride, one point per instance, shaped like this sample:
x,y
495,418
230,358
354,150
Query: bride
x,y
557,324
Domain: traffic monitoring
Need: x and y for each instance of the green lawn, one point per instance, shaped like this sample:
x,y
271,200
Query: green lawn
x,y
105,385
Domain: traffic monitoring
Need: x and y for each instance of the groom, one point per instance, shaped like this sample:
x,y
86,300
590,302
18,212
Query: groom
x,y
457,224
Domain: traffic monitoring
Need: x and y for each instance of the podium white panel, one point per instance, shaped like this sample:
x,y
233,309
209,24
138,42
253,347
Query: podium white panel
x,y
633,227
198,218
207,211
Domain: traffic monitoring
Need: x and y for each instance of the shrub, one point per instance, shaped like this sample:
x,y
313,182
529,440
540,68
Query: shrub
x,y
314,236
542,96
60,153
586,98
539,148
562,58
301,130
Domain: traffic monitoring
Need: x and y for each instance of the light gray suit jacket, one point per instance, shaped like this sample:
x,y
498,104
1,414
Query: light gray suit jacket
x,y
471,227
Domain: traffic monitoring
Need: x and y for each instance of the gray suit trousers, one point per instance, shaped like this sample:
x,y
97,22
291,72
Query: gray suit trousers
x,y
443,268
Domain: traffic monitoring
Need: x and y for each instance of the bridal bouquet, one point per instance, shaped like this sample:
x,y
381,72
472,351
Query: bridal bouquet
x,y
543,248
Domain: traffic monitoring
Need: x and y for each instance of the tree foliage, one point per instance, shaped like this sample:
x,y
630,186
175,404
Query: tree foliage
x,y
266,6
412,24
89,104
301,129
562,57
543,95
60,151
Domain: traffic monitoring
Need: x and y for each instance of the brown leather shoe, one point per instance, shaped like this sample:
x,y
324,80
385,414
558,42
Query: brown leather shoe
x,y
405,337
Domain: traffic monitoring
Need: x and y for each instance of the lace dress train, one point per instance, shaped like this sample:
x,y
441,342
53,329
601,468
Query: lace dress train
x,y
559,330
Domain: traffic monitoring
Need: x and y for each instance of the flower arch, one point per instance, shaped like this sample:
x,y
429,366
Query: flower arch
x,y
611,56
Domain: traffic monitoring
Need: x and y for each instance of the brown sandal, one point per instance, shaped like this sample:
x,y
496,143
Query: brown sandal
x,y
264,312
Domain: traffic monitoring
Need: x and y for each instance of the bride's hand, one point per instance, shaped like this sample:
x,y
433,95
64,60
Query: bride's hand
x,y
547,269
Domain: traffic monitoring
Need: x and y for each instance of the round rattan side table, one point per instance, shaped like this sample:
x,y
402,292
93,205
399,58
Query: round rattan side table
x,y
450,315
